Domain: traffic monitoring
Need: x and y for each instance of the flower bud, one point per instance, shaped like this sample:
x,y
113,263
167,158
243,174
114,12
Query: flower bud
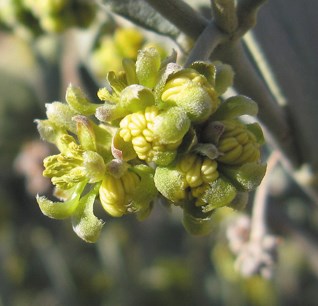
x,y
140,129
147,67
61,210
116,193
85,224
135,98
188,178
191,91
61,114
237,144
79,102
223,78
195,221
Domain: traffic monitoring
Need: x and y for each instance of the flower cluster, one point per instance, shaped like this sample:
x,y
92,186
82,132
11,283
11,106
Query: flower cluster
x,y
160,130
52,16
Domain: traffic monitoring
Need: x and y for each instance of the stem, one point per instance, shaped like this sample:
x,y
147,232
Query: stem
x,y
247,13
181,15
258,224
270,113
208,40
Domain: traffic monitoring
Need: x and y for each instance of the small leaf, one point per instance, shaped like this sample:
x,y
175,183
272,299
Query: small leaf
x,y
147,67
61,114
170,183
224,77
94,166
195,221
257,131
240,201
135,98
234,107
85,224
49,131
220,193
206,69
207,149
85,133
246,177
146,191
61,210
121,149
79,102
171,125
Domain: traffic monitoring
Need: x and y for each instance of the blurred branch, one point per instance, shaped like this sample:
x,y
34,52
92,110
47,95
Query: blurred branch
x,y
181,15
55,266
258,223
208,40
271,114
247,14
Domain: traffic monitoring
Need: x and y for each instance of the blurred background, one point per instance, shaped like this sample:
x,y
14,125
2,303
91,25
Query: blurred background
x,y
154,262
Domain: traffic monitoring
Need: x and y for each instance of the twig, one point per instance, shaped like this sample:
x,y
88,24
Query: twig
x,y
258,254
209,39
182,15
271,114
258,223
247,13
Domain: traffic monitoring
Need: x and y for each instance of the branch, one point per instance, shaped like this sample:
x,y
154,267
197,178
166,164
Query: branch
x,y
209,39
181,15
272,115
258,223
247,14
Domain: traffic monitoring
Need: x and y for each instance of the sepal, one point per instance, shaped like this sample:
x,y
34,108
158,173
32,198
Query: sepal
x,y
223,78
220,193
234,107
85,224
171,125
170,183
246,177
147,67
61,210
61,115
78,101
195,221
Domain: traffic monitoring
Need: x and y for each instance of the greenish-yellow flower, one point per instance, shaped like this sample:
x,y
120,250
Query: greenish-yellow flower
x,y
116,193
190,90
237,144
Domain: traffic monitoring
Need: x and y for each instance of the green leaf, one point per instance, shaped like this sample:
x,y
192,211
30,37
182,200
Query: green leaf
x,y
61,115
221,193
85,133
147,67
170,183
135,98
224,77
234,107
79,102
195,221
240,201
85,224
49,131
94,166
257,131
61,210
207,149
145,192
142,14
121,149
246,177
206,69
171,125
